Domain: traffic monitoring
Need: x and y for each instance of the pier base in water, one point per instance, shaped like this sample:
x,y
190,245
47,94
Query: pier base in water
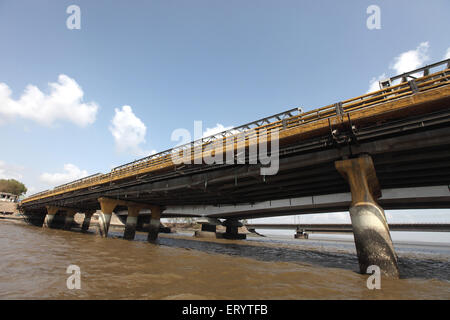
x,y
370,229
68,222
107,207
48,221
50,216
154,223
207,231
301,234
232,230
104,219
130,226
87,221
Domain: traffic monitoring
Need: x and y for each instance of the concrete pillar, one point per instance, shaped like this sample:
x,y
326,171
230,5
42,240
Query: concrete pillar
x,y
69,219
301,234
370,229
130,227
231,232
208,227
51,212
107,207
154,223
87,220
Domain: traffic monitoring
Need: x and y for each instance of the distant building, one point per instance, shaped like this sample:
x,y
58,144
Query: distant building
x,y
8,203
8,197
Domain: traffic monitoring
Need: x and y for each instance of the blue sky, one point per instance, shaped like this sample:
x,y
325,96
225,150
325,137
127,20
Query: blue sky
x,y
173,62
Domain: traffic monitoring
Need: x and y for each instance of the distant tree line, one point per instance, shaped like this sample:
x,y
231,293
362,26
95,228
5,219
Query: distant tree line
x,y
12,186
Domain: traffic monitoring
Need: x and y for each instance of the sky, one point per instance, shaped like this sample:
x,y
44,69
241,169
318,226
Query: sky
x,y
75,102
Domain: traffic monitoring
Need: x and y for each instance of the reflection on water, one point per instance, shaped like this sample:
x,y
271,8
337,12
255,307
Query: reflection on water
x,y
34,260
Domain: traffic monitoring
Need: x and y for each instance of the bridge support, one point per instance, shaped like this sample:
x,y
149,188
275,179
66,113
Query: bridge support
x,y
107,207
130,227
301,234
232,233
208,228
154,223
371,232
51,212
69,219
207,231
87,220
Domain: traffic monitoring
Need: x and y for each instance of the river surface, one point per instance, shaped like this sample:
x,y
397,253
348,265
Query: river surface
x,y
34,261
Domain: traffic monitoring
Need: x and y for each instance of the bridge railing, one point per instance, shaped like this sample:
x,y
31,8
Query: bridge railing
x,y
282,121
38,194
78,182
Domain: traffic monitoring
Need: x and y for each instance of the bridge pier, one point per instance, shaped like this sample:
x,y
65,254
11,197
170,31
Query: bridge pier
x,y
107,207
301,234
69,219
154,223
371,232
130,227
231,232
87,220
208,228
50,216
207,231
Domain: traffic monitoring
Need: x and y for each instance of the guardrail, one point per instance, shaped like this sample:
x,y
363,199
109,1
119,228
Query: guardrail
x,y
281,121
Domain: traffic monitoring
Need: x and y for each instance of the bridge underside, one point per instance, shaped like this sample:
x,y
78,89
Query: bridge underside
x,y
392,199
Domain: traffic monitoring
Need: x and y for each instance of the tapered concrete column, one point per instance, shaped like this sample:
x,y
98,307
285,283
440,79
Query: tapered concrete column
x,y
370,229
51,212
87,220
130,227
154,223
107,207
69,219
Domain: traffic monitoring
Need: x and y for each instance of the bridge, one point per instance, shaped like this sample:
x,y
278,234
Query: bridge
x,y
388,148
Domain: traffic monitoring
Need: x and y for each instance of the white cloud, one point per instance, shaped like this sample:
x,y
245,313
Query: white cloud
x,y
374,85
71,173
404,62
25,175
129,132
31,190
447,54
218,128
64,102
8,171
411,59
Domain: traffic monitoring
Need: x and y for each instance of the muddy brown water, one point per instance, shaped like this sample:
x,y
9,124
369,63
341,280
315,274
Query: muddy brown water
x,y
33,264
